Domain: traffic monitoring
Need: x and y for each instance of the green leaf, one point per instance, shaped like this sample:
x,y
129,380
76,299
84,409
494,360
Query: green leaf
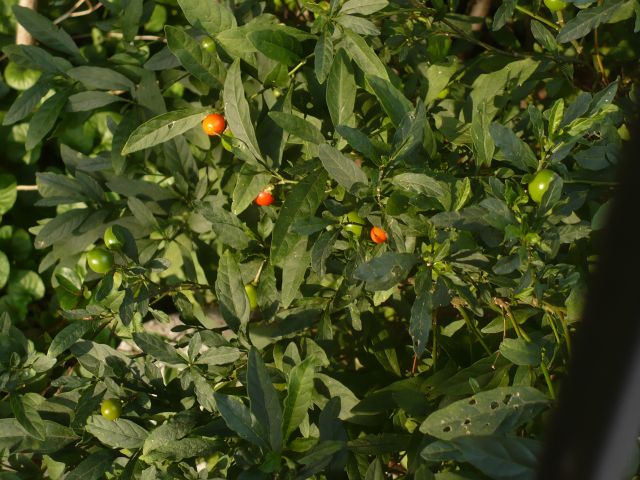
x,y
212,17
26,102
158,348
363,7
236,110
375,470
543,36
519,352
386,271
70,335
162,128
302,201
410,133
483,145
234,303
175,428
130,19
91,100
29,56
499,457
555,116
26,284
14,437
45,118
100,78
294,268
297,126
503,14
45,31
219,356
8,192
177,450
342,169
238,418
277,45
94,466
420,183
391,99
120,433
498,410
60,228
5,269
29,418
299,396
228,227
323,56
421,314
341,90
364,55
516,152
380,444
587,20
265,404
438,76
359,141
251,181
202,64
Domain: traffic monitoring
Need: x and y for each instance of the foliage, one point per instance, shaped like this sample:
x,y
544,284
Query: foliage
x,y
433,354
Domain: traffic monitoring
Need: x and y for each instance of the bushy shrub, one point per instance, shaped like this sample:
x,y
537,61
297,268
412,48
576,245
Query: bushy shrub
x,y
400,299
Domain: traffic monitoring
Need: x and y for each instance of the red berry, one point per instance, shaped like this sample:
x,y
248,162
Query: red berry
x,y
214,124
378,235
264,198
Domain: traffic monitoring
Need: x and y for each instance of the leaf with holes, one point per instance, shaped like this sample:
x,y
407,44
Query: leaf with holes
x,y
499,410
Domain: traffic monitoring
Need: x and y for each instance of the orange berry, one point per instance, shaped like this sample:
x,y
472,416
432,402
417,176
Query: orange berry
x,y
213,124
264,198
378,235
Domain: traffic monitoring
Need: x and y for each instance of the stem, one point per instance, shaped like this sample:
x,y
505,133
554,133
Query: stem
x,y
471,325
575,44
434,349
565,329
547,378
27,188
300,65
526,11
599,63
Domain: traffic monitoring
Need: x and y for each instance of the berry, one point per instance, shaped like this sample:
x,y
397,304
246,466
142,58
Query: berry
x,y
214,124
378,235
264,198
100,260
111,408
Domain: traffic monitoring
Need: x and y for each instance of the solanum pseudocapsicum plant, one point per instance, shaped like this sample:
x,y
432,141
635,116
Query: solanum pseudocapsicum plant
x,y
296,344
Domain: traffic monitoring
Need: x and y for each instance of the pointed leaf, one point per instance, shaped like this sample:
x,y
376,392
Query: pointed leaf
x,y
341,90
236,110
202,64
234,303
162,128
299,396
342,169
265,404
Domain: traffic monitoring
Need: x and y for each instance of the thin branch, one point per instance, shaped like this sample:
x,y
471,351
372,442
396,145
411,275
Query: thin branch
x,y
73,13
27,188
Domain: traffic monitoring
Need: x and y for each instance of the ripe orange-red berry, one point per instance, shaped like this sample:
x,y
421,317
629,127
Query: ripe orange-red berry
x,y
213,124
378,235
264,198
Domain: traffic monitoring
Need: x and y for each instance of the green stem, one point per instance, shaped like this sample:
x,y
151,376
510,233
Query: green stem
x,y
565,329
547,378
471,325
526,11
300,65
